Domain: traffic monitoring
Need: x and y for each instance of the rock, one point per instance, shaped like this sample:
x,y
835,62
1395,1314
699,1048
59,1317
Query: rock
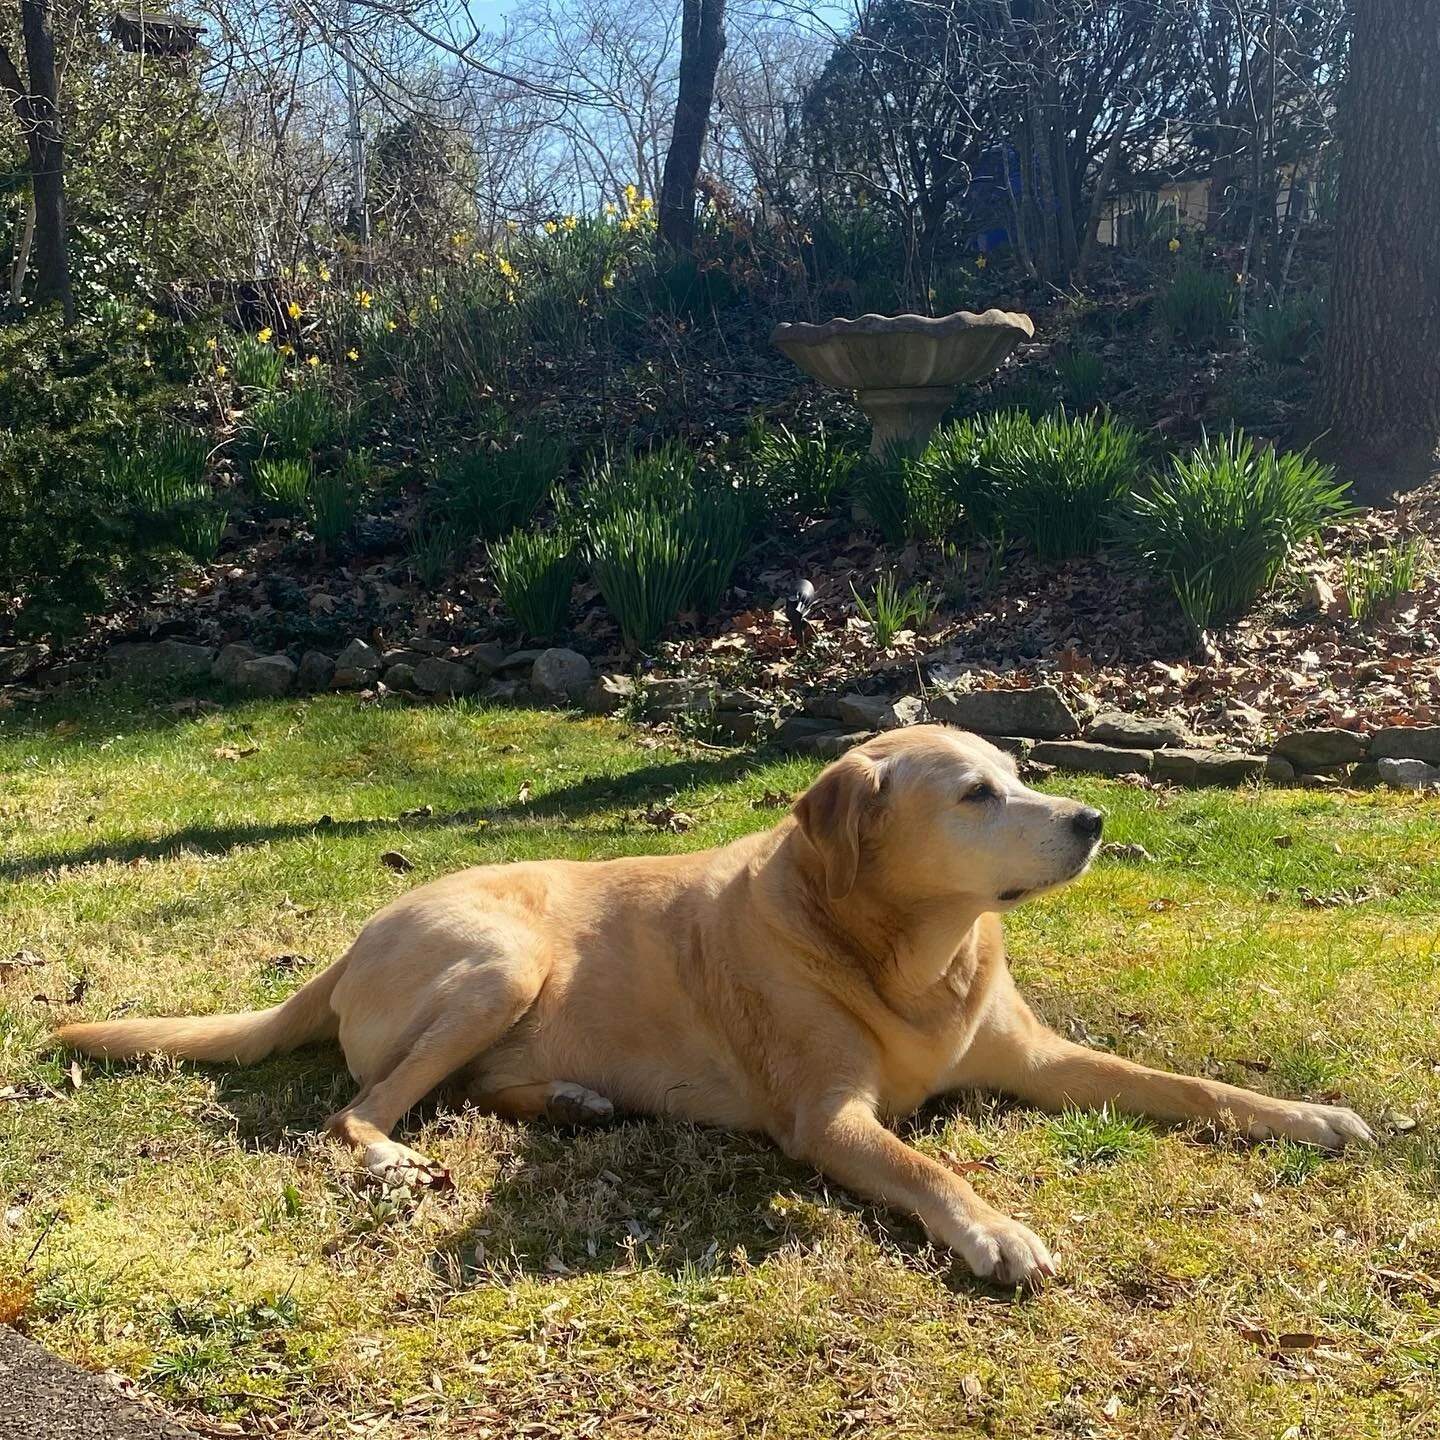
x,y
1366,775
400,676
666,696
608,694
357,666
1019,746
1137,732
823,707
1320,749
741,725
880,712
518,660
1039,712
427,647
736,700
798,729
486,659
226,665
317,671
70,673
560,674
1317,782
17,661
1407,773
444,677
148,660
832,746
1407,742
1205,767
1086,758
1278,769
269,675
401,655
503,691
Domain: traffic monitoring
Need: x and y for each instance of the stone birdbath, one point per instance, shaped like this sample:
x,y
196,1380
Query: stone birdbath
x,y
904,369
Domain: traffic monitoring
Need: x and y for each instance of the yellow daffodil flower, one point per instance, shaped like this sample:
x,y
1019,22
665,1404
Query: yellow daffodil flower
x,y
286,349
221,371
323,272
1174,244
264,335
313,361
352,354
981,262
294,310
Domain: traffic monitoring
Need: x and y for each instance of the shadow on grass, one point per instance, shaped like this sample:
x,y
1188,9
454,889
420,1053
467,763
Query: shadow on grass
x,y
632,789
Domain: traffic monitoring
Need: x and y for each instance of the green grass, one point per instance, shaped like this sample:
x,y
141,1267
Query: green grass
x,y
187,1227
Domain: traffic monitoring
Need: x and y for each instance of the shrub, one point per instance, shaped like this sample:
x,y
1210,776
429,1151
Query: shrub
x,y
283,486
535,573
1082,373
797,477
644,559
158,487
1377,581
1282,334
892,610
1220,523
1056,481
665,477
489,492
905,495
1198,304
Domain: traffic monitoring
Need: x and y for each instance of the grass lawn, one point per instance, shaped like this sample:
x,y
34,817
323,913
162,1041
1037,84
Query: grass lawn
x,y
186,1227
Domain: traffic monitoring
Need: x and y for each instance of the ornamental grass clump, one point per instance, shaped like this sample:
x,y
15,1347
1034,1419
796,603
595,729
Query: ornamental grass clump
x,y
534,572
1221,523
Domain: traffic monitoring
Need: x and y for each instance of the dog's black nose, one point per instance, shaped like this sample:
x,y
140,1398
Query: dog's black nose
x,y
1089,823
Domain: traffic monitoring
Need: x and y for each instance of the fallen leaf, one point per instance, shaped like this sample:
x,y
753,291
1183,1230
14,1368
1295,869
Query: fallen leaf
x,y
77,990
1282,842
77,1076
397,862
233,752
20,960
969,1167
525,793
420,812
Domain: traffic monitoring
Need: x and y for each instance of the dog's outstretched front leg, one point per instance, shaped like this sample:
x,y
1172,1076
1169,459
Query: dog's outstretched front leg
x,y
1015,1053
847,1142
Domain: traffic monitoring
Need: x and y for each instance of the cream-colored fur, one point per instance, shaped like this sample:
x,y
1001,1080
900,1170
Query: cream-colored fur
x,y
810,981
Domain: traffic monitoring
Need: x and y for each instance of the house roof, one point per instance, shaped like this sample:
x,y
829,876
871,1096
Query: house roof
x,y
156,32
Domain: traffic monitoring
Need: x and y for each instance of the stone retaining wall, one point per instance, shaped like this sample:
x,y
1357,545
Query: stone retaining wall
x,y
1036,723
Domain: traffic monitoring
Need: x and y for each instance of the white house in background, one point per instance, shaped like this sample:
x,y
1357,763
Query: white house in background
x,y
1192,203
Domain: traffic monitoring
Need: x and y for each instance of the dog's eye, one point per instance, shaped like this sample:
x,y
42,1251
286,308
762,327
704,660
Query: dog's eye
x,y
982,791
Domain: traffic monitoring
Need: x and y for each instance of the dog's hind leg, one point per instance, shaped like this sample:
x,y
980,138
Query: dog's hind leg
x,y
469,1024
562,1102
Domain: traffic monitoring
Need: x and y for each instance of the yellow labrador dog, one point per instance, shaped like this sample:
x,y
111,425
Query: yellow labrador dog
x,y
811,981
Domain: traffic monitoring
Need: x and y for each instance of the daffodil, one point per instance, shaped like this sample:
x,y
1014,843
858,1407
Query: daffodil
x,y
294,310
210,343
551,227
263,336
323,272
1174,244
221,371
352,354
364,299
610,208
434,303
286,349
505,268
608,282
981,262
569,222
390,325
313,361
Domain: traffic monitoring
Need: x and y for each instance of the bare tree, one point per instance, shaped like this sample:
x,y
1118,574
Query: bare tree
x,y
702,44
35,98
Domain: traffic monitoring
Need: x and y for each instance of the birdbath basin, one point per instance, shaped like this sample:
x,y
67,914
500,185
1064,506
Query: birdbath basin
x,y
904,369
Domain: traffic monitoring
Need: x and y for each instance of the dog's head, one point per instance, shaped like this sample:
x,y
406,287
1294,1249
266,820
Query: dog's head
x,y
929,813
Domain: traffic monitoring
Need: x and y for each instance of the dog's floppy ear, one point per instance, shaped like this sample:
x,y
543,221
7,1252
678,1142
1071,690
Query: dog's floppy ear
x,y
831,814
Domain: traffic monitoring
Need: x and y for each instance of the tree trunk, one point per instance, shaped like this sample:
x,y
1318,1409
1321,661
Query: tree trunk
x,y
36,102
1383,370
702,43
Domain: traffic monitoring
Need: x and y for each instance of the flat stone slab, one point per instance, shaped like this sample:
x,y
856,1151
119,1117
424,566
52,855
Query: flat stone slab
x,y
44,1398
1206,767
1086,758
1038,711
1323,748
1407,742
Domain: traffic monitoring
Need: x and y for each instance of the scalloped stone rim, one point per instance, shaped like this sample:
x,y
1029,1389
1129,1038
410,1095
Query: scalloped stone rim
x,y
802,332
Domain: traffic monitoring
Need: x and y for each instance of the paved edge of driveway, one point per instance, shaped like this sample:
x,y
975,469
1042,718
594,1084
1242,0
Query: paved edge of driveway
x,y
43,1397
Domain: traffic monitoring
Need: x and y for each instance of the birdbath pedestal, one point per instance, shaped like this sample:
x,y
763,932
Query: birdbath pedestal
x,y
904,369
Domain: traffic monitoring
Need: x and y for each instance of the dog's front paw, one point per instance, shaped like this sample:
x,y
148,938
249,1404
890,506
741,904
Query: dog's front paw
x,y
1005,1251
1331,1127
400,1167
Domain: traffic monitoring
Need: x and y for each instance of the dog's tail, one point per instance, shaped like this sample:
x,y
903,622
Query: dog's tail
x,y
241,1038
